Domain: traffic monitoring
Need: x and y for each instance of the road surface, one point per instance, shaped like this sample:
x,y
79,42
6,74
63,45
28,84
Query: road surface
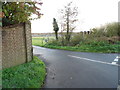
x,y
68,69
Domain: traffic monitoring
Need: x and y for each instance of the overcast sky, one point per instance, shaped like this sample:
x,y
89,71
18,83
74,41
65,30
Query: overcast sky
x,y
91,13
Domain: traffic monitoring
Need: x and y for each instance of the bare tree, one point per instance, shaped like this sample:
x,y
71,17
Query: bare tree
x,y
69,17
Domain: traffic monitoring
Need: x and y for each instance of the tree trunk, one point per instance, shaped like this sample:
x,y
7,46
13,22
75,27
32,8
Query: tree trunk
x,y
67,35
56,34
68,30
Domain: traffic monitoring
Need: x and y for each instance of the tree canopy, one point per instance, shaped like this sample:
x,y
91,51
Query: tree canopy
x,y
19,12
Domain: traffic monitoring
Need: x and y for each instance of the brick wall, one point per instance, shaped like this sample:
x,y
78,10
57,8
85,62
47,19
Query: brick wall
x,y
16,45
0,48
28,41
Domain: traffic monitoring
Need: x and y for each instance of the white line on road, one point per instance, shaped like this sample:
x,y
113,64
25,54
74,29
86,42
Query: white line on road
x,y
114,63
115,60
42,48
118,57
93,60
38,47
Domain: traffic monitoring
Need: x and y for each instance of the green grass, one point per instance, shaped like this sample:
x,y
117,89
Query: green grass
x,y
40,41
99,47
87,48
28,75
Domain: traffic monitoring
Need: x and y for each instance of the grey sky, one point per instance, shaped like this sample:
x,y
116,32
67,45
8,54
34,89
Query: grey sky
x,y
92,13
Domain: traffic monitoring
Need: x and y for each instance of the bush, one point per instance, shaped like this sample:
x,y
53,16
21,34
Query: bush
x,y
76,39
108,30
112,29
54,42
19,12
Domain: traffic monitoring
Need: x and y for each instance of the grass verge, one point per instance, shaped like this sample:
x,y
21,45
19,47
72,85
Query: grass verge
x,y
88,48
28,75
93,47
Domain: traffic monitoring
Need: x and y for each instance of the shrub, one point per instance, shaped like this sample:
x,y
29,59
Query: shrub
x,y
19,12
53,42
76,39
108,30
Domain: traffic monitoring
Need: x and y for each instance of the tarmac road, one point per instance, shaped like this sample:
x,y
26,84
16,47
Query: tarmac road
x,y
68,69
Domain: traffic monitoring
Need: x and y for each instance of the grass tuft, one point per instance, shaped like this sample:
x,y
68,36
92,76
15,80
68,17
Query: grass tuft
x,y
28,75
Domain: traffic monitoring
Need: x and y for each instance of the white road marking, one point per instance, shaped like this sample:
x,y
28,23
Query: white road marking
x,y
116,59
114,62
87,59
38,53
38,47
42,48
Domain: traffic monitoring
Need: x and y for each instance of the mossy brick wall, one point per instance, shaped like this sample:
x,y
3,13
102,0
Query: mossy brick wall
x,y
28,41
0,48
0,57
16,45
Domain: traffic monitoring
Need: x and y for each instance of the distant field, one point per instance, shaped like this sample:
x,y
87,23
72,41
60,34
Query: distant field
x,y
41,41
